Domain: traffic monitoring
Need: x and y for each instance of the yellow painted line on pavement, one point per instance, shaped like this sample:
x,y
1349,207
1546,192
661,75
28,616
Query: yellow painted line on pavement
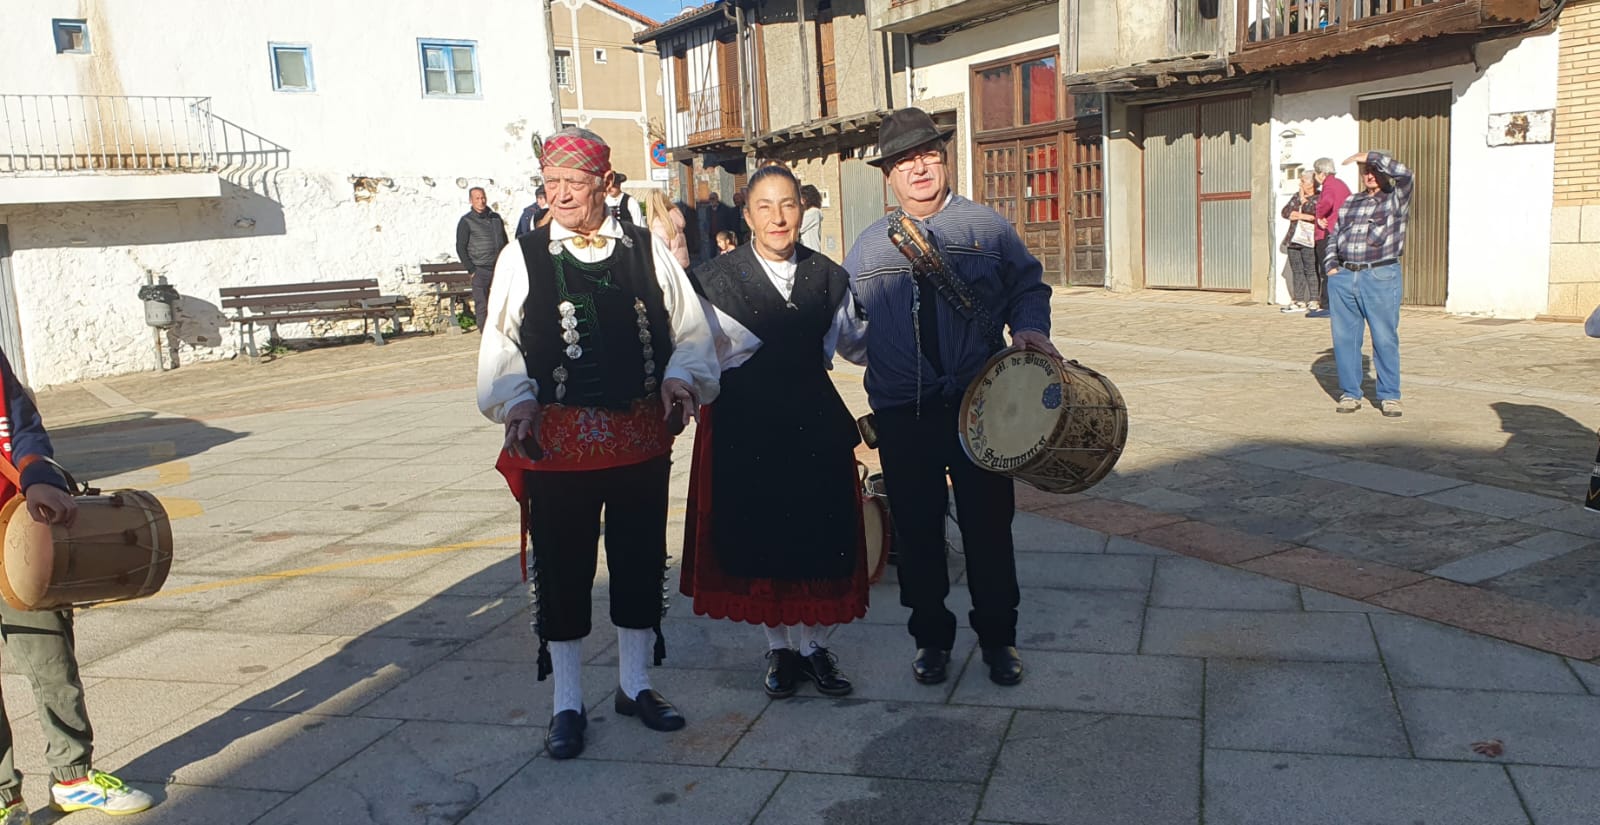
x,y
180,508
341,565
331,568
172,473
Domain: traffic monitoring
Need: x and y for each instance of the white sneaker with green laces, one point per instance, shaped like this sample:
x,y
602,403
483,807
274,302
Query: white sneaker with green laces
x,y
100,791
15,814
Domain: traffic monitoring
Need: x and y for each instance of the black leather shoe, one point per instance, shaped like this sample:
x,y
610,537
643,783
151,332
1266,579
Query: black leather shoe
x,y
783,672
822,667
565,739
1005,665
654,711
931,665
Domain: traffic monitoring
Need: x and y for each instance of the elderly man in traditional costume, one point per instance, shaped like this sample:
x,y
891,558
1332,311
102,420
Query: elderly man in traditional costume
x,y
922,353
773,535
596,349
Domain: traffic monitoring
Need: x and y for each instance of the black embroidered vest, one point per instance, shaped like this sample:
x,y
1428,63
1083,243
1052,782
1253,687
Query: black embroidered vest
x,y
610,370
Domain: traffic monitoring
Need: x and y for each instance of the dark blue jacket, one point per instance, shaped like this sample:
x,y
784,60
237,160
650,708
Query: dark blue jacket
x,y
27,431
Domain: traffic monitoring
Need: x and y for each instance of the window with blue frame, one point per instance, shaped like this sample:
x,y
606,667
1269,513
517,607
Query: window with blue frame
x,y
449,68
72,36
291,68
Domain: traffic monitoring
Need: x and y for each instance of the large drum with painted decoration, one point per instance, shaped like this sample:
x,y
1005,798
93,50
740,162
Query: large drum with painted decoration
x,y
1056,425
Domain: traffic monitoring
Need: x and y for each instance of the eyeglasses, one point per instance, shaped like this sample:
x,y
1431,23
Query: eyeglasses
x,y
575,184
929,157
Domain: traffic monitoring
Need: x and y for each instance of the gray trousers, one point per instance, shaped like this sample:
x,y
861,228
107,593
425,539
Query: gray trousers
x,y
42,643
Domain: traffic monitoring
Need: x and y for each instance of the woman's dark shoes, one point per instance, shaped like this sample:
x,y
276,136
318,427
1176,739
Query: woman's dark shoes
x,y
931,665
565,739
1005,665
822,667
783,672
654,711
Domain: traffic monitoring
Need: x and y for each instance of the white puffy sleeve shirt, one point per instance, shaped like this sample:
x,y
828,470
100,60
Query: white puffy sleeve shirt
x,y
503,379
735,343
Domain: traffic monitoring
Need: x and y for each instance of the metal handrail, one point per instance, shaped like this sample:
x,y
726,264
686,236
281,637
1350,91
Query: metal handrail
x,y
1267,20
53,134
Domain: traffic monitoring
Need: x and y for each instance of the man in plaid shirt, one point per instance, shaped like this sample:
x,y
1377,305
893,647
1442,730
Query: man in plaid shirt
x,y
1364,283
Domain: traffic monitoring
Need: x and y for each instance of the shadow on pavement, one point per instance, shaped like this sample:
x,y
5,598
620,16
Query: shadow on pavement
x,y
1326,370
134,442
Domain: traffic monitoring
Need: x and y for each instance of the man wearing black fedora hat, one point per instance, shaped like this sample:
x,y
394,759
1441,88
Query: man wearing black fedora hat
x,y
922,352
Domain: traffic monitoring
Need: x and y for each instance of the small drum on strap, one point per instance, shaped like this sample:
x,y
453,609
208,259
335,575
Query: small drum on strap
x,y
119,547
1058,426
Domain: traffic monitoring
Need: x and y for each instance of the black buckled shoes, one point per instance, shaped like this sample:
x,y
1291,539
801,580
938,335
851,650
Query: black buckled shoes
x,y
931,665
565,739
822,667
1005,665
652,709
783,673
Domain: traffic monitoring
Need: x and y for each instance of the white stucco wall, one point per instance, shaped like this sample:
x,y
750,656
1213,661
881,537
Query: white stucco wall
x,y
942,72
78,266
1500,196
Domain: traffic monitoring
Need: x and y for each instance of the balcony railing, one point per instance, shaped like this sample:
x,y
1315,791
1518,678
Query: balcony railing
x,y
1270,20
105,133
714,116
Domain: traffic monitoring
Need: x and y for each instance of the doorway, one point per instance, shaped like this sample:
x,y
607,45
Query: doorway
x,y
1415,130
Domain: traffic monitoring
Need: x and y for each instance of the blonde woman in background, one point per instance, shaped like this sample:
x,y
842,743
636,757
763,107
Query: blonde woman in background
x,y
666,223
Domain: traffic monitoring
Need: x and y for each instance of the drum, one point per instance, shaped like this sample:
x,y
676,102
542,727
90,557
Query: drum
x,y
1058,426
878,530
120,547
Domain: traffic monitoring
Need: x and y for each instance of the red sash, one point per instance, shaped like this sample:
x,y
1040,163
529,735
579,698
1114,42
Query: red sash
x,y
588,438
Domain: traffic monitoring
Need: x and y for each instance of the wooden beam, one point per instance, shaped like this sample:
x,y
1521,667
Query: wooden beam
x,y
1452,51
1426,23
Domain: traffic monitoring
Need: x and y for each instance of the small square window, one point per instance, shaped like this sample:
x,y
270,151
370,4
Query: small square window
x,y
291,68
72,36
599,55
563,68
449,68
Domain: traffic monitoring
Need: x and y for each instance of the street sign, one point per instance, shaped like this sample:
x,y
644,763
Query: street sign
x,y
658,153
661,174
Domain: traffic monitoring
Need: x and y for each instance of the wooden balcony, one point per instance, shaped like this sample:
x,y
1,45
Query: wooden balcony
x,y
714,117
1281,33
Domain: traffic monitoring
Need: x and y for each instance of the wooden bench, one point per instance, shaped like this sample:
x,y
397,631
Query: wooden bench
x,y
452,284
274,304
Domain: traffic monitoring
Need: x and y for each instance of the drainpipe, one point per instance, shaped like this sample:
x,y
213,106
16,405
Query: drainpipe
x,y
910,83
550,56
805,65
747,97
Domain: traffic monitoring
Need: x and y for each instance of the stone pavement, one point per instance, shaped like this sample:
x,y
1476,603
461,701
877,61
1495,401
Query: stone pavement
x,y
344,637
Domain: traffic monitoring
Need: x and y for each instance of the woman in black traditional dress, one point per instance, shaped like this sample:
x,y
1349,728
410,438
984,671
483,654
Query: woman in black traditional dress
x,y
773,534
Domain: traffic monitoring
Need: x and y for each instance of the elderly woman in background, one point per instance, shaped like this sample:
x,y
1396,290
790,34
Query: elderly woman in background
x,y
666,223
811,218
1300,244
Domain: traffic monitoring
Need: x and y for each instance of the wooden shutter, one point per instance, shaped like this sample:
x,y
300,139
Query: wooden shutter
x,y
827,77
680,81
728,77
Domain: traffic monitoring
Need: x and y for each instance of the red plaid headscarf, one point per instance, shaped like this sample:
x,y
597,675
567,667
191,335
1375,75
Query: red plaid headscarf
x,y
580,149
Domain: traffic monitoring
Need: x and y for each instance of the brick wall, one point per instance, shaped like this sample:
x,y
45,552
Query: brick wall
x,y
1575,223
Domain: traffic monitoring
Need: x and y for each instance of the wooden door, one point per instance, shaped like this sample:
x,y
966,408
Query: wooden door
x,y
1041,203
1086,213
1415,130
1000,179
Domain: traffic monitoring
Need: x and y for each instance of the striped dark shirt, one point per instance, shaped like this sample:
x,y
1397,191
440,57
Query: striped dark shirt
x,y
986,253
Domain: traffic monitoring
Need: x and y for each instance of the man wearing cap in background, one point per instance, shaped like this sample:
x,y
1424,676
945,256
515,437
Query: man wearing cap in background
x,y
594,339
1364,280
921,355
